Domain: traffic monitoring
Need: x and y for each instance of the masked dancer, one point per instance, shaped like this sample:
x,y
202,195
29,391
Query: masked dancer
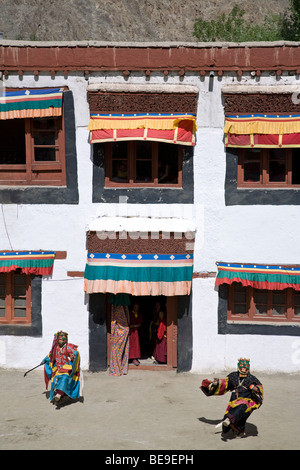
x,y
246,396
62,369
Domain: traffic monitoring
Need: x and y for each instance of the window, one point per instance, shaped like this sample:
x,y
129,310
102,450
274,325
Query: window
x,y
32,152
250,304
15,298
139,163
274,167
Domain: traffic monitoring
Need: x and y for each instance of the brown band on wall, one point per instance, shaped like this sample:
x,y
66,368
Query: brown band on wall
x,y
204,275
139,245
109,102
260,103
60,255
75,273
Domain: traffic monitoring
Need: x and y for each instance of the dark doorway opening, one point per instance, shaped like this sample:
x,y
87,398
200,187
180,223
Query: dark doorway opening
x,y
179,331
147,308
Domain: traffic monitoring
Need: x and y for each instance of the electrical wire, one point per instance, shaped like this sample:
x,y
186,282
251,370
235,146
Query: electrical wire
x,y
3,216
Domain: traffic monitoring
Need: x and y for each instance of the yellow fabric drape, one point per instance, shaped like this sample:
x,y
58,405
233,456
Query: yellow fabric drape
x,y
256,125
137,122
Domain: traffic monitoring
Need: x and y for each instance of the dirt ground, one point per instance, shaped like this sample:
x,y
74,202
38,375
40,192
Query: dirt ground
x,y
145,410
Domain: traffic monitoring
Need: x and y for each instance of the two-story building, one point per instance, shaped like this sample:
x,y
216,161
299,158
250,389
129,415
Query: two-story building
x,y
166,171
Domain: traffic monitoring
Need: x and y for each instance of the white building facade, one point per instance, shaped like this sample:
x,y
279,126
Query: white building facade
x,y
235,204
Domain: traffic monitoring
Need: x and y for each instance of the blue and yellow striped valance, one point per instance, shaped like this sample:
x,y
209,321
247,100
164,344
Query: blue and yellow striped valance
x,y
175,128
31,103
160,121
262,124
139,274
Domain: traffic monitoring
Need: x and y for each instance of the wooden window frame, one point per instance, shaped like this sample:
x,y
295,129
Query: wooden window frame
x,y
252,316
9,318
264,181
38,173
131,165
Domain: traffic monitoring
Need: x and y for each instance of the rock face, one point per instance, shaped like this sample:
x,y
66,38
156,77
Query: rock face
x,y
118,20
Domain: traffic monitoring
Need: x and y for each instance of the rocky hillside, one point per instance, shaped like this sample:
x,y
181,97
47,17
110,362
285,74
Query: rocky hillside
x,y
118,20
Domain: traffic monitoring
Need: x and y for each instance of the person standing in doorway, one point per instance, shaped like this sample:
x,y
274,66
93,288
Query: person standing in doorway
x,y
153,329
119,339
136,320
160,351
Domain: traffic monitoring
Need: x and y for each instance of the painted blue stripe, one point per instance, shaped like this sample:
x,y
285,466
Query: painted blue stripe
x,y
31,92
144,114
140,257
257,266
274,116
24,253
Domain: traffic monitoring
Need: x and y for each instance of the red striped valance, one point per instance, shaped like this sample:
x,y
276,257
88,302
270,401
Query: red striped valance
x,y
259,276
260,130
29,262
262,140
173,128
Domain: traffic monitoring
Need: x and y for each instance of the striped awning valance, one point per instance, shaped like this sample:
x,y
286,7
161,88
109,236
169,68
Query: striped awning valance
x,y
139,274
262,130
260,276
173,128
31,103
29,262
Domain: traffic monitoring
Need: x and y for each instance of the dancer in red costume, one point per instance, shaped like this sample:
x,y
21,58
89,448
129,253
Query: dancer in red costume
x,y
62,369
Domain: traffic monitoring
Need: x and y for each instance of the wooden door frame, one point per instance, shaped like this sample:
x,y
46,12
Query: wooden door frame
x,y
171,305
171,332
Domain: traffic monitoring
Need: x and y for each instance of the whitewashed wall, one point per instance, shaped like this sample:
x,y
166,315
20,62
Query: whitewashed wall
x,y
236,233
261,234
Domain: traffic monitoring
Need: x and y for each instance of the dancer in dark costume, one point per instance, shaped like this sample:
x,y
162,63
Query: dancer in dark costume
x,y
246,396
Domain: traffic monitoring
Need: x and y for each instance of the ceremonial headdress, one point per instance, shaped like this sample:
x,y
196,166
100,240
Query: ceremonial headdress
x,y
62,334
59,334
243,362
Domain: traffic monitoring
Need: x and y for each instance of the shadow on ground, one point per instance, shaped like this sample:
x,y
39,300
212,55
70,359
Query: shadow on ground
x,y
250,429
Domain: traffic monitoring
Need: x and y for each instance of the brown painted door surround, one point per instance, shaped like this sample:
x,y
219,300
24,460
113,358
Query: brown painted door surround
x,y
164,245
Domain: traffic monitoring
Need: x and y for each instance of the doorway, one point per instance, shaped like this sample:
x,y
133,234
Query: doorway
x,y
147,308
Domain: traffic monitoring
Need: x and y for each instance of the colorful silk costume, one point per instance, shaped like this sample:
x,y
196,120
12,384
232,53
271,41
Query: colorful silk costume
x,y
246,396
62,369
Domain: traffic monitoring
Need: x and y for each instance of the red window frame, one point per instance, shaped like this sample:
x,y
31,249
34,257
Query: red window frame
x,y
246,302
32,172
131,166
8,296
264,178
